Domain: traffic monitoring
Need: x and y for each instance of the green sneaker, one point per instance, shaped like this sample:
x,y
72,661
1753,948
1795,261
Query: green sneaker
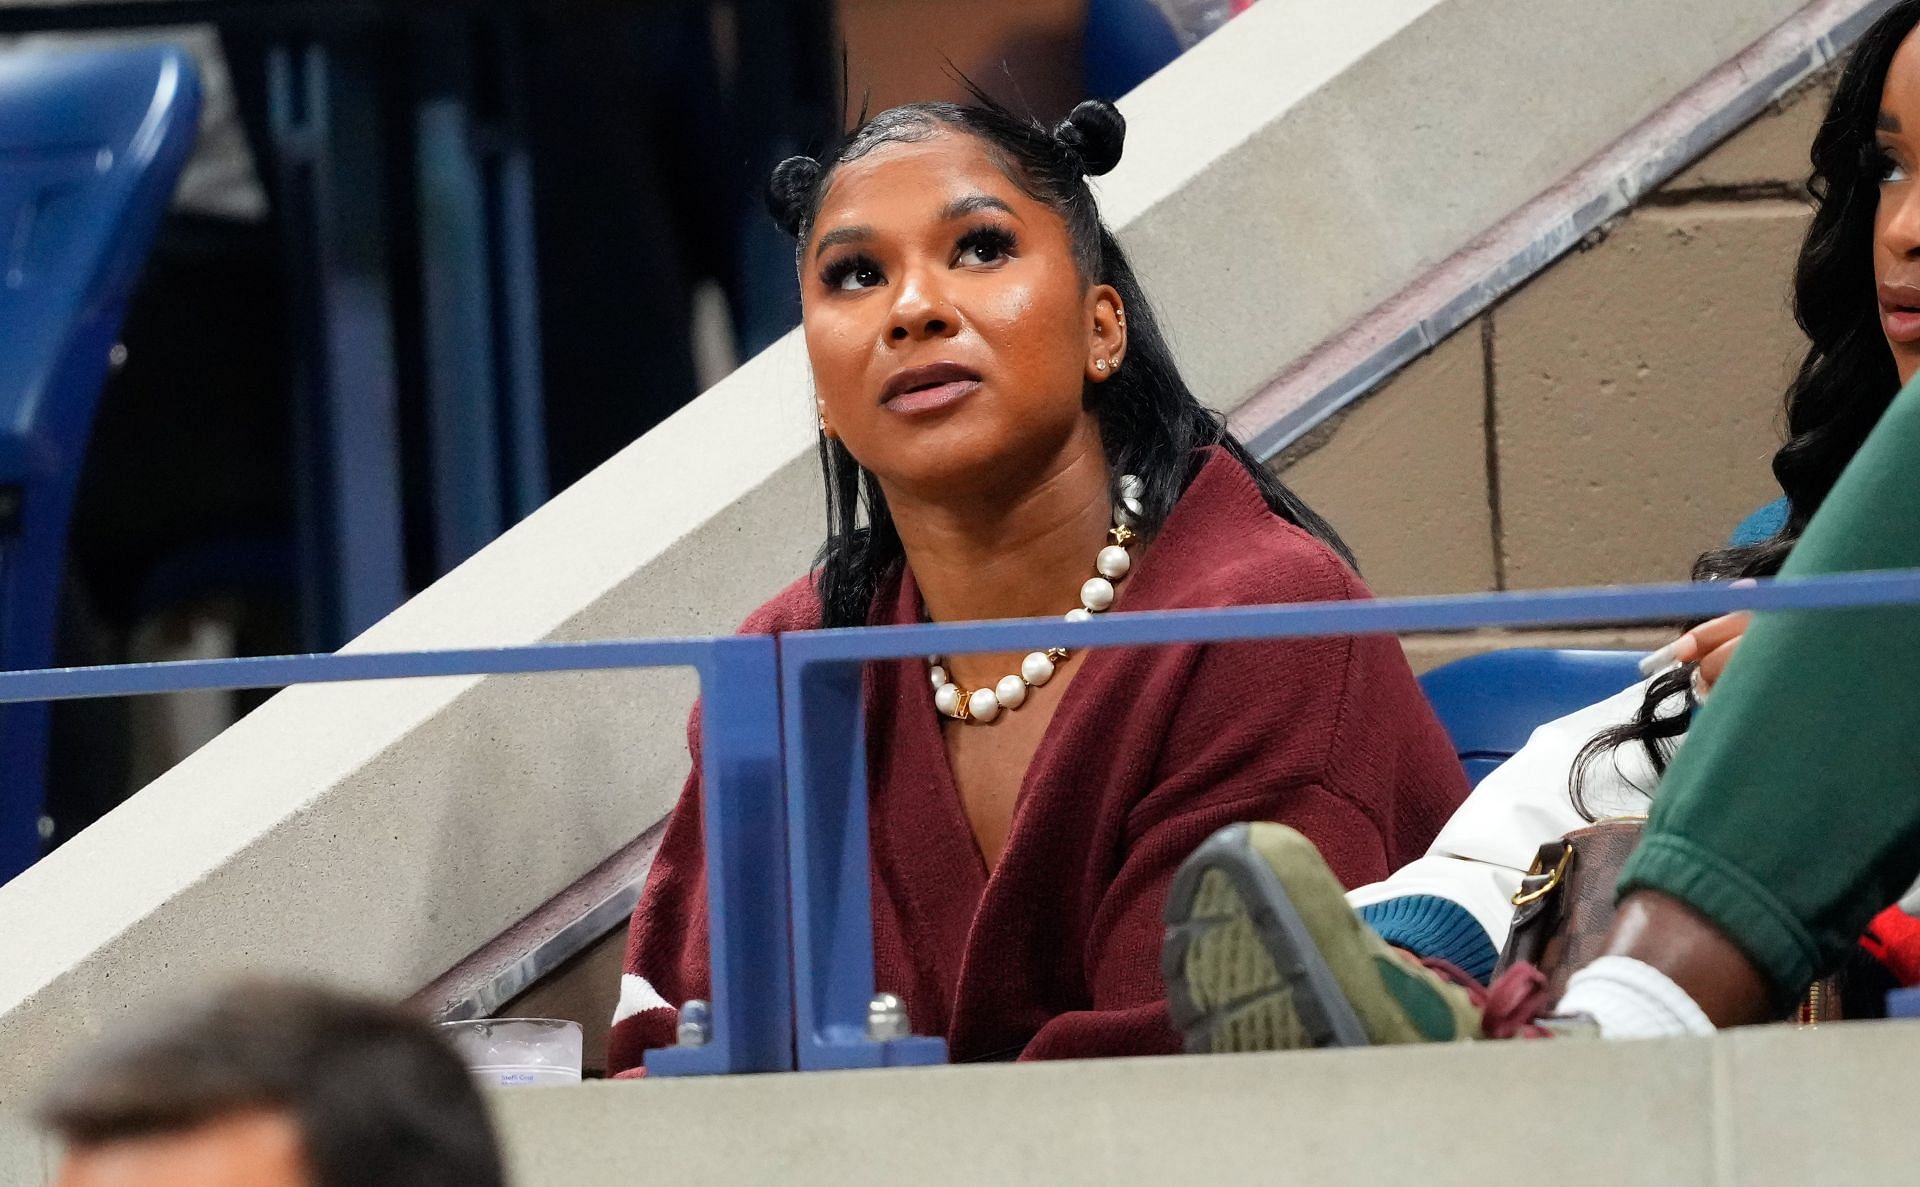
x,y
1264,954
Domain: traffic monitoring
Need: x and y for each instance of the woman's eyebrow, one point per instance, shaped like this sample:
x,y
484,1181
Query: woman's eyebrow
x,y
1888,122
839,235
973,204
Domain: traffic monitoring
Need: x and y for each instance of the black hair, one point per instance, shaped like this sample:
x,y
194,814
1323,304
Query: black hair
x,y
1150,421
1844,383
379,1099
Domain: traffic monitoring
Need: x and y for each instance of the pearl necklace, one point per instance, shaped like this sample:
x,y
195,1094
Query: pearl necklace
x,y
982,705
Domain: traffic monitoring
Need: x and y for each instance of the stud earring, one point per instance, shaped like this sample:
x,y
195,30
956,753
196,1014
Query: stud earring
x,y
1100,365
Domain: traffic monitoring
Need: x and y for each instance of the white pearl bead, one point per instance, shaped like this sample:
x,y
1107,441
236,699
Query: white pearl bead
x,y
1011,692
946,698
938,675
1112,564
1125,517
1132,505
1131,487
1097,593
1036,669
1079,614
983,705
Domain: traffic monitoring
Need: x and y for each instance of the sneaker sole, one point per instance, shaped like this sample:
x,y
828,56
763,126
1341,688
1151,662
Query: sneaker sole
x,y
1241,969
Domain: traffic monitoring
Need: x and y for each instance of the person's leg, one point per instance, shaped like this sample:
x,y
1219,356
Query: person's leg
x,y
1791,816
1788,820
1263,953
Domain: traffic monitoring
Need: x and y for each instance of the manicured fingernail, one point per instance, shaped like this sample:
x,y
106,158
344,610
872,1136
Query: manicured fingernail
x,y
1655,662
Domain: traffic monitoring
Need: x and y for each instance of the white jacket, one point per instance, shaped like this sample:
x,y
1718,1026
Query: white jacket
x,y
1480,856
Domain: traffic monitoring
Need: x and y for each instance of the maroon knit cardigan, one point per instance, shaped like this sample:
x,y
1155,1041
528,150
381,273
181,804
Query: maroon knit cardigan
x,y
1055,952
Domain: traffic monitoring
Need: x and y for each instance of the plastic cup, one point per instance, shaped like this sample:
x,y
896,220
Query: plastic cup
x,y
513,1052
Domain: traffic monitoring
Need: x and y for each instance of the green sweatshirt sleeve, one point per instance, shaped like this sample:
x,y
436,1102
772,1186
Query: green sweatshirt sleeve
x,y
1791,815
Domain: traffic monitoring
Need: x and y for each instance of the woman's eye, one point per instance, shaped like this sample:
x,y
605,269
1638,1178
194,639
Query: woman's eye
x,y
985,247
1884,168
981,253
852,275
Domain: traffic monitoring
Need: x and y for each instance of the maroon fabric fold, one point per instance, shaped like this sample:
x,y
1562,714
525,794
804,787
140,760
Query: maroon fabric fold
x,y
1056,952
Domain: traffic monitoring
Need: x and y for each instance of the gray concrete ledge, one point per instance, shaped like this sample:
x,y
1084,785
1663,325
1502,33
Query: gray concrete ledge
x,y
1756,1107
1760,1107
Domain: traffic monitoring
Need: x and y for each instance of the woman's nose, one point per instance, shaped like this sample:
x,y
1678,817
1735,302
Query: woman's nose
x,y
1900,233
921,311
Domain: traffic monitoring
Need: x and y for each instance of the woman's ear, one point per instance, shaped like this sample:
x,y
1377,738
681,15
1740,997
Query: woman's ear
x,y
1106,332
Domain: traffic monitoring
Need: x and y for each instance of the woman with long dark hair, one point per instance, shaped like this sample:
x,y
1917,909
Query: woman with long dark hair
x,y
1004,434
1857,297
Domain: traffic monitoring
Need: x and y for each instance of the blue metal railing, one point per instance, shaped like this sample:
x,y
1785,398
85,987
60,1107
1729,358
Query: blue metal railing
x,y
784,766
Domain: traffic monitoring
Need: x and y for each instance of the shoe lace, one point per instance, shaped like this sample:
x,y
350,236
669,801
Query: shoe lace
x,y
1511,1006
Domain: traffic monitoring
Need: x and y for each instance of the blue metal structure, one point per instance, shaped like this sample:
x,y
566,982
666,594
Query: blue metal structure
x,y
744,811
1491,703
90,148
826,758
324,115
797,865
338,98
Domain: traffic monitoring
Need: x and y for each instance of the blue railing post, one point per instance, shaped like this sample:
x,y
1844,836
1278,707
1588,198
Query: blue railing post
x,y
827,855
743,817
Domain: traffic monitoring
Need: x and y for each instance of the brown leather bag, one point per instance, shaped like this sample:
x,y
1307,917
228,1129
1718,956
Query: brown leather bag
x,y
1565,905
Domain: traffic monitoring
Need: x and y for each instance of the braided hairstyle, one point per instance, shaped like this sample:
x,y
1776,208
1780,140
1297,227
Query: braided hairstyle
x,y
1844,383
1150,421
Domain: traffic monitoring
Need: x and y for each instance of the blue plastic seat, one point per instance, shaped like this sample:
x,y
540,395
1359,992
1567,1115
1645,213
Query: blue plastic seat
x,y
1491,703
91,145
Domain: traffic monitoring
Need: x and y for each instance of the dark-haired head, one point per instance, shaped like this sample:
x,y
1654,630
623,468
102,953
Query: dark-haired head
x,y
1854,365
275,1082
1144,418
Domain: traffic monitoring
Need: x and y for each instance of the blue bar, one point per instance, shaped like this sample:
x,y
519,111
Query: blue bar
x,y
828,863
1560,607
743,812
278,671
805,690
828,858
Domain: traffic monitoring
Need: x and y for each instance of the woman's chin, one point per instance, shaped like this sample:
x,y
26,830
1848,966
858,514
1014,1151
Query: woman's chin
x,y
939,467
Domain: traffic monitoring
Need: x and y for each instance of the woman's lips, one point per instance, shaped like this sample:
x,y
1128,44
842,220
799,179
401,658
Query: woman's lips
x,y
1900,311
1902,324
932,399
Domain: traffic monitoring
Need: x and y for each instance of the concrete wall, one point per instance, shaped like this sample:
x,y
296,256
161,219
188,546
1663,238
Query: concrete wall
x,y
1760,1107
1608,421
377,835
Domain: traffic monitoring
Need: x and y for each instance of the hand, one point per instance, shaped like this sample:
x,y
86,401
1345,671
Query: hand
x,y
1711,645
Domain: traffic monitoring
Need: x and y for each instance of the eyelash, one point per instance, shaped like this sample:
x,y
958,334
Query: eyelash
x,y
1878,164
836,273
999,241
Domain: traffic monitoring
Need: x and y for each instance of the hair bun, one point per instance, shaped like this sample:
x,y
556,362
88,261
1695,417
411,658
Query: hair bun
x,y
1093,133
790,192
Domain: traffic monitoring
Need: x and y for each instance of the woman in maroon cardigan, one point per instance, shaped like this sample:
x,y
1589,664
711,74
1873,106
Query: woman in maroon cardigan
x,y
999,408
